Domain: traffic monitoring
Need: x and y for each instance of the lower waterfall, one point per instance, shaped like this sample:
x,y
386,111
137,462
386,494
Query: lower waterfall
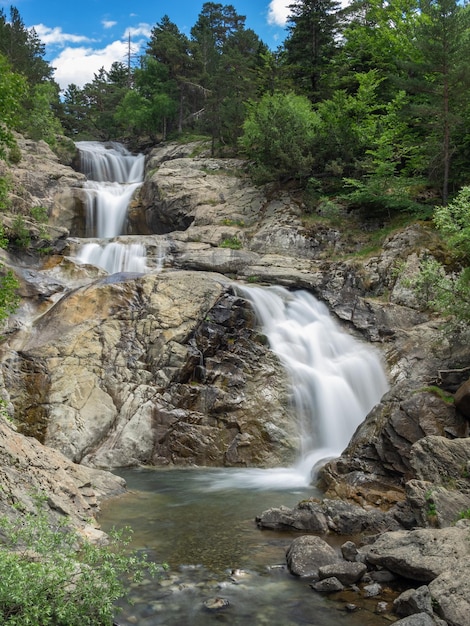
x,y
335,380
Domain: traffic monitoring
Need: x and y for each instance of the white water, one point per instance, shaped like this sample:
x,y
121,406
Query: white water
x,y
114,174
336,380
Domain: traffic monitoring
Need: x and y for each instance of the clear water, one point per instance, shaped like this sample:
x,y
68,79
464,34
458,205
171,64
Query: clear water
x,y
205,530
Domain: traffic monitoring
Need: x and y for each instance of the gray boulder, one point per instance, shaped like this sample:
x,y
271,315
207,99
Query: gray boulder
x,y
450,592
419,555
307,554
413,601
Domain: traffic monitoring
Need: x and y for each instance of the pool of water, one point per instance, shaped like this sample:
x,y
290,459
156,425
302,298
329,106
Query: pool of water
x,y
202,524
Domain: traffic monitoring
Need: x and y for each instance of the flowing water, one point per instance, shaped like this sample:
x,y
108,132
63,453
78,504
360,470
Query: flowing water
x,y
210,541
201,521
113,176
335,380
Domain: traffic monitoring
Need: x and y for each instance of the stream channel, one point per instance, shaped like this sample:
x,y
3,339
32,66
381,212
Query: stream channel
x,y
201,522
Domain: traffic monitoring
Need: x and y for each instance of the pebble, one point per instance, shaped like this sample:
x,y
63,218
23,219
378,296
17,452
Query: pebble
x,y
216,604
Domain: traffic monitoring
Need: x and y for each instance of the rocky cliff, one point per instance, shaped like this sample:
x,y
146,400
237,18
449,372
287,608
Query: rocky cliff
x,y
169,367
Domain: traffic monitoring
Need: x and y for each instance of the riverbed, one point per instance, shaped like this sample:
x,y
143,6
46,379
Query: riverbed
x,y
201,523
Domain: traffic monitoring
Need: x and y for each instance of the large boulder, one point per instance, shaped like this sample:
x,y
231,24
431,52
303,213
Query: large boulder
x,y
419,555
307,554
450,593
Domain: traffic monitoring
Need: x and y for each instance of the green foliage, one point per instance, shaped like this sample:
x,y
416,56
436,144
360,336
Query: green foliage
x,y
440,393
13,88
453,221
431,509
278,135
5,187
21,235
231,242
448,292
50,576
40,121
40,214
9,299
464,514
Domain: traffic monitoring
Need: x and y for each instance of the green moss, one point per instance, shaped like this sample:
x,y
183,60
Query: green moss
x,y
437,391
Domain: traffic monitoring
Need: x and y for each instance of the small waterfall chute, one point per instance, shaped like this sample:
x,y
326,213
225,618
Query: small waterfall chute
x,y
113,176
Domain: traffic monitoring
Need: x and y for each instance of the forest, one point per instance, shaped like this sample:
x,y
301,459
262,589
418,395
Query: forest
x,y
363,109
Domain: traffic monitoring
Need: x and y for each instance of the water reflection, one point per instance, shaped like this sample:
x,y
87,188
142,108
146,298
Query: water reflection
x,y
207,534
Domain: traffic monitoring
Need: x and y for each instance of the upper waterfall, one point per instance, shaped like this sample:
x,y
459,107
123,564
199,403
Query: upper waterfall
x,y
113,176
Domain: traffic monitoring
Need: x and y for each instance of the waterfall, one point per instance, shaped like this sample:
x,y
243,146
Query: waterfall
x,y
113,175
335,380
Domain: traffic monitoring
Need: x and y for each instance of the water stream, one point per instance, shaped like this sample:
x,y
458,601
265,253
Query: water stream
x,y
202,521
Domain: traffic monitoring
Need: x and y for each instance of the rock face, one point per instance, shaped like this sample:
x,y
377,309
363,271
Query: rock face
x,y
27,468
158,369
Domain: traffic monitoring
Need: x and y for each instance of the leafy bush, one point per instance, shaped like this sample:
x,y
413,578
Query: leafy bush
x,y
453,221
50,576
278,136
231,242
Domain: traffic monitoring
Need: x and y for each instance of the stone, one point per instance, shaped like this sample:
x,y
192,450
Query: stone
x,y
462,399
328,585
72,491
372,590
307,554
216,604
419,619
349,551
450,591
346,572
419,555
119,356
413,601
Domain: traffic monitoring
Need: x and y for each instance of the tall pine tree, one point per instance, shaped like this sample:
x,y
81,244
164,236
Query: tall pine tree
x,y
311,44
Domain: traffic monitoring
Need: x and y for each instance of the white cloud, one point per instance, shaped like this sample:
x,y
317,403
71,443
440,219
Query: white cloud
x,y
108,23
142,30
79,65
278,12
55,36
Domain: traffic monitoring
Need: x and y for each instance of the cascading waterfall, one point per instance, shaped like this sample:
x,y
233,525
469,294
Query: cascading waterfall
x,y
113,175
335,379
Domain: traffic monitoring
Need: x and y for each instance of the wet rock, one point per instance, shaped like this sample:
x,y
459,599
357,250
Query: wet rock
x,y
346,572
349,551
413,601
344,518
109,377
462,399
420,619
381,608
306,516
372,590
216,604
307,554
328,585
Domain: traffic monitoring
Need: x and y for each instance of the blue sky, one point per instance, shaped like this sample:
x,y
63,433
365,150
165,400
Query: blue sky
x,y
81,36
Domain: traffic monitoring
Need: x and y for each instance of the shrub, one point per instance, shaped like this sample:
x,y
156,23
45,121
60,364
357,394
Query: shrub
x,y
49,575
231,242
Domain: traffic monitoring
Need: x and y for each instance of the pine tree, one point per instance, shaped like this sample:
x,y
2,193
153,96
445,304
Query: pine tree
x,y
312,43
